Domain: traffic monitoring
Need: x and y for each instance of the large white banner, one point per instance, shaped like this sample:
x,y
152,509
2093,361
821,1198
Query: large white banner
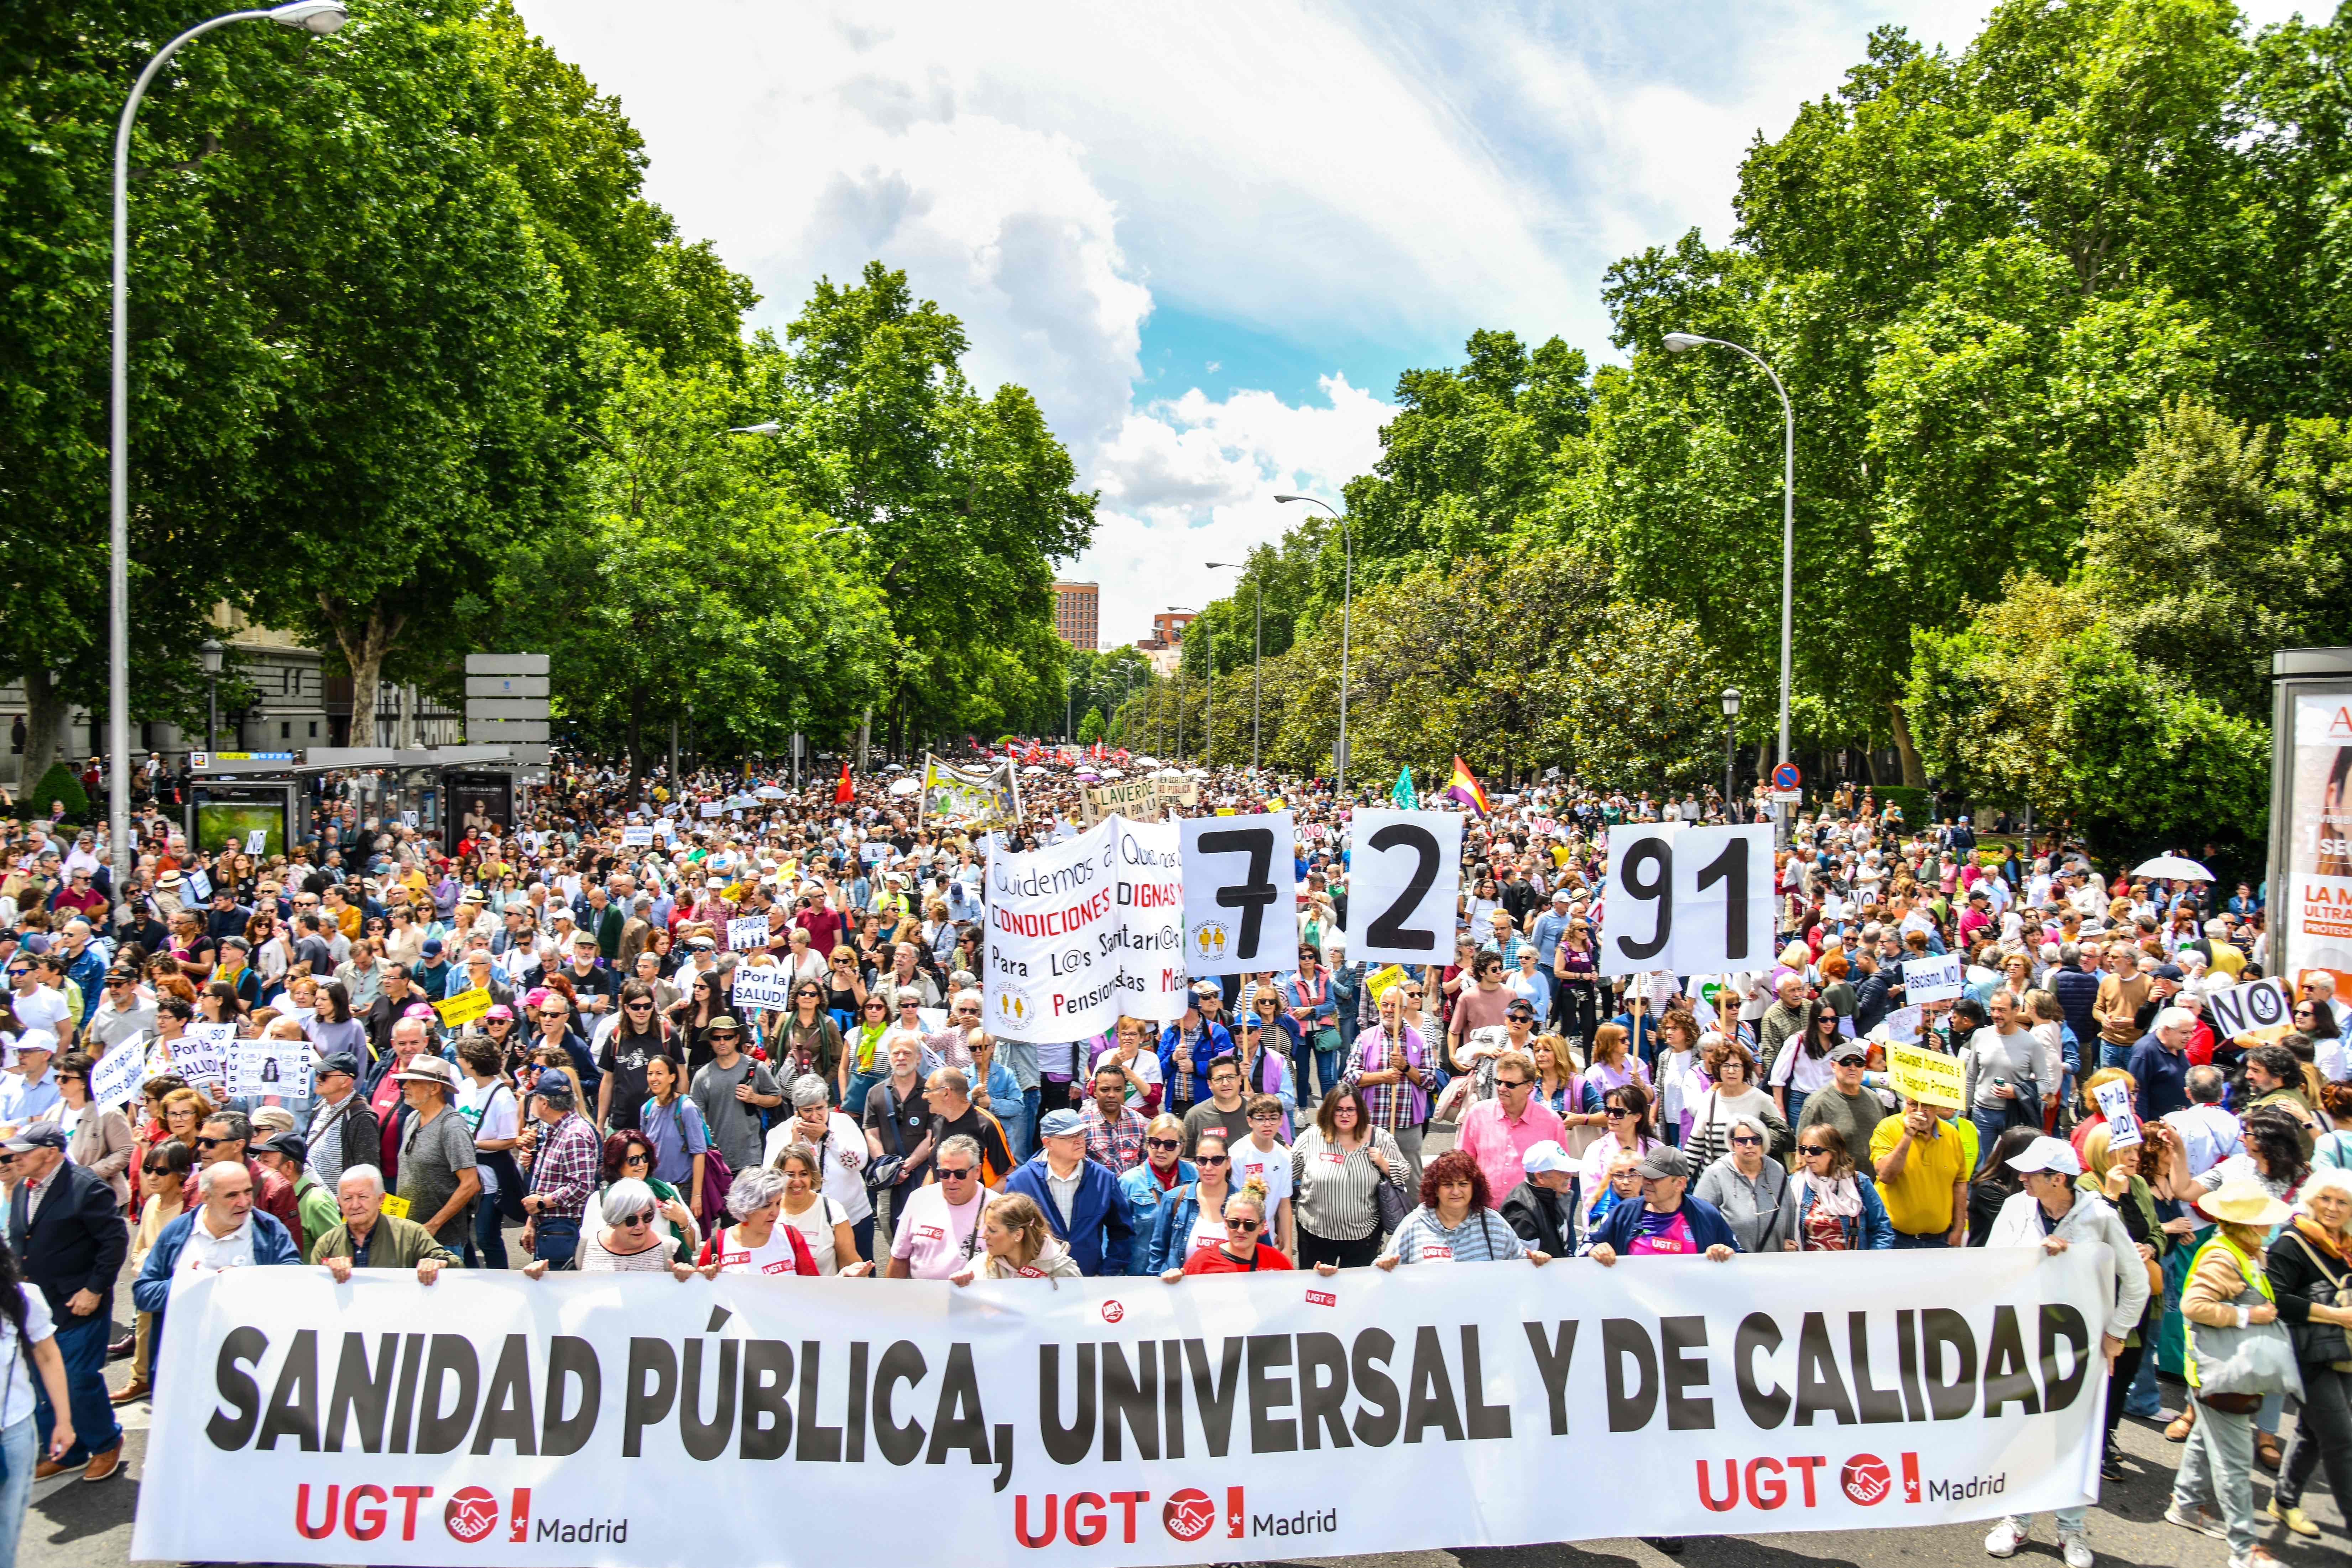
x,y
1404,873
628,1419
1241,893
1084,929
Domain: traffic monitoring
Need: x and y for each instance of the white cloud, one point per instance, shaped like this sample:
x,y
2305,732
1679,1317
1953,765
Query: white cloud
x,y
1321,176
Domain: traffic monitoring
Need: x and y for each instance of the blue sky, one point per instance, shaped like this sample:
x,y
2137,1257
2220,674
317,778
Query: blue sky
x,y
1209,236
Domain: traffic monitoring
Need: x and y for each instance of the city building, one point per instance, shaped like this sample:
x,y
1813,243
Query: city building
x,y
1077,615
1167,639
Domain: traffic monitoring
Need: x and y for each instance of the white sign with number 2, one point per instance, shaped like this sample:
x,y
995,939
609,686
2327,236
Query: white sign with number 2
x,y
1405,871
1694,902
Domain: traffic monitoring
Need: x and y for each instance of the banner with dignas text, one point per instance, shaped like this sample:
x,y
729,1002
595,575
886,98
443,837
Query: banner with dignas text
x,y
1084,930
637,1420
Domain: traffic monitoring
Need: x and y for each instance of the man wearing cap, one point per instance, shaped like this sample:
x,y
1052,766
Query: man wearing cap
x,y
1188,1045
284,1153
1498,1133
564,1157
344,1130
1667,1221
1080,1199
1845,1103
29,1092
1542,1207
438,1178
123,1012
71,1242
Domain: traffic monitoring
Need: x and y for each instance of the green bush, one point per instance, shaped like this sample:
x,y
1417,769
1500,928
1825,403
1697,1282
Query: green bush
x,y
1916,803
59,783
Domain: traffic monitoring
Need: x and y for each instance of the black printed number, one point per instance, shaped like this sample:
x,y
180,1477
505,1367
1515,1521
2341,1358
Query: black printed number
x,y
1390,930
1251,897
1648,875
1731,868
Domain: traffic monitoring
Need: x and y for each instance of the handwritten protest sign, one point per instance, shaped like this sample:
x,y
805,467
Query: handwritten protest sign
x,y
1936,978
462,1008
1926,1076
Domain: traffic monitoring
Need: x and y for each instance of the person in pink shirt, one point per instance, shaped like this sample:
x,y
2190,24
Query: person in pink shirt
x,y
1497,1132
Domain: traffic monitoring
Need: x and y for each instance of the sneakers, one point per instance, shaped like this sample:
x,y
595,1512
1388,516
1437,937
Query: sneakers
x,y
2007,1536
2293,1518
2201,1521
2260,1557
2076,1547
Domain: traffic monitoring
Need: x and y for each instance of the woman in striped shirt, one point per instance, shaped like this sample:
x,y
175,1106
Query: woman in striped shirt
x,y
1338,1161
1457,1222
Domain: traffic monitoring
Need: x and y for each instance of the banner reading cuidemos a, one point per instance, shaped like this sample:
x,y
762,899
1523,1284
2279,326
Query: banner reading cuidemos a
x,y
1083,932
636,1420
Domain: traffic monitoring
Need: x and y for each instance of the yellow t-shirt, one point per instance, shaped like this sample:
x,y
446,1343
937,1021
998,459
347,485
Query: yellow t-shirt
x,y
1919,1201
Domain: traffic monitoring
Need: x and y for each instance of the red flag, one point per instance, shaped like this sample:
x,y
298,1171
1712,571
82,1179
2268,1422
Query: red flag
x,y
843,793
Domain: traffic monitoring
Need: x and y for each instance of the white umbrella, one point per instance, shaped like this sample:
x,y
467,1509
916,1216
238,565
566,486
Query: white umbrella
x,y
906,786
1146,762
1198,773
1032,771
2177,867
769,792
1168,772
893,768
1112,773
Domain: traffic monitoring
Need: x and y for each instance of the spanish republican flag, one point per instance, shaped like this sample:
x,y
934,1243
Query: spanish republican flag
x,y
1464,786
844,792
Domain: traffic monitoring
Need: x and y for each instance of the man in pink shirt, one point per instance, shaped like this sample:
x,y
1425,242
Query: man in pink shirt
x,y
1498,1133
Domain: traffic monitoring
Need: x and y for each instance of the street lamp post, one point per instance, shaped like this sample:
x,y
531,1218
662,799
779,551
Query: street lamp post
x,y
210,654
310,16
1682,343
1211,716
1347,602
1730,744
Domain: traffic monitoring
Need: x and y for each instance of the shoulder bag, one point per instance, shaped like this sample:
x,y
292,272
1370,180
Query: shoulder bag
x,y
2324,1344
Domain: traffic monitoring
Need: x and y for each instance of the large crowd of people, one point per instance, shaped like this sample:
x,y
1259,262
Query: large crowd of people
x,y
525,1049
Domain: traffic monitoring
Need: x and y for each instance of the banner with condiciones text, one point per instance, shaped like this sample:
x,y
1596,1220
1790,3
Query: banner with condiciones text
x,y
1086,930
638,1420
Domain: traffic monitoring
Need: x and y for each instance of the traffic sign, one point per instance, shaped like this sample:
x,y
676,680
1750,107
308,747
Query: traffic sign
x,y
1787,777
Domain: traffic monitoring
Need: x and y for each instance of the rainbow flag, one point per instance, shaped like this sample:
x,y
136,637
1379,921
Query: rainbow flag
x,y
1464,786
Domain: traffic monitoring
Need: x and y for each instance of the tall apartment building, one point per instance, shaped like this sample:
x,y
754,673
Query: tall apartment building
x,y
1077,615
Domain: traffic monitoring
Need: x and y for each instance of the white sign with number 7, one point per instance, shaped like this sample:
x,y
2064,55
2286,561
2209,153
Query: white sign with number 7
x,y
1692,901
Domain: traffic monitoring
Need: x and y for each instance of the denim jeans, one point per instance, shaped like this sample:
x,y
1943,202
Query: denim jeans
x,y
81,1344
2145,1399
2219,1469
2112,1055
20,1450
555,1240
489,1241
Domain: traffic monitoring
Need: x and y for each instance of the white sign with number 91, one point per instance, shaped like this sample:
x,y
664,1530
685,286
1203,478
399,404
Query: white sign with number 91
x,y
1692,901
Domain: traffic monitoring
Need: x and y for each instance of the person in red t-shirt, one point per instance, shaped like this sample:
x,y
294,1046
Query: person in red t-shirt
x,y
1242,1251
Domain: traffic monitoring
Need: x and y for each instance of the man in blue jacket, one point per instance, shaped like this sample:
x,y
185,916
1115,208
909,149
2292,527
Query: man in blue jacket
x,y
1188,1045
224,1231
1666,1220
1080,1199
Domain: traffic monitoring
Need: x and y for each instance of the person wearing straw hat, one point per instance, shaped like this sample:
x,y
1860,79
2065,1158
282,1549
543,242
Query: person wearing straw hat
x,y
2052,1213
2228,1293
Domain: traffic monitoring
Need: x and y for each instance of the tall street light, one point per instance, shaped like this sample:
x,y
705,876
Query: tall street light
x,y
1682,343
1212,718
1347,602
211,655
1730,744
1257,653
306,15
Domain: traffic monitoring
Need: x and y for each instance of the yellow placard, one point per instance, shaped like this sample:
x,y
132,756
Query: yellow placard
x,y
1379,980
1926,1076
396,1207
462,1008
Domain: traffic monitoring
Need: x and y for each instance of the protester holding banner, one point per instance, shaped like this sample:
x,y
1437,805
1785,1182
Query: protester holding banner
x,y
1244,1249
1456,1221
1338,1161
1837,1205
1754,1193
1017,1244
1192,1216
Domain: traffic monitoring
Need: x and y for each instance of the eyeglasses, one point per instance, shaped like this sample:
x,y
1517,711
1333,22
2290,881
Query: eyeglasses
x,y
639,1158
1163,1143
1512,1082
204,1142
1745,1140
1614,1111
548,1013
1244,1226
1266,1116
948,1175
1213,1159
634,1222
1810,1150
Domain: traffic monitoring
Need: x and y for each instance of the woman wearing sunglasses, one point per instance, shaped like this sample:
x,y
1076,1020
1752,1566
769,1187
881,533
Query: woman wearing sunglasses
x,y
629,1241
1146,1186
1192,1216
1838,1205
1244,1249
1755,1195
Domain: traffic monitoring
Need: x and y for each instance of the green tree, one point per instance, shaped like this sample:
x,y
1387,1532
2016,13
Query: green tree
x,y
1090,728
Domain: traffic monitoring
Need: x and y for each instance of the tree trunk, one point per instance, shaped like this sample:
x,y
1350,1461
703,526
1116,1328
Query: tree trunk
x,y
635,735
363,646
1915,771
44,727
864,737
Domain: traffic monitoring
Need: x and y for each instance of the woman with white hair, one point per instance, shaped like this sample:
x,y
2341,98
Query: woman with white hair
x,y
824,1228
841,1150
2310,1270
1755,1194
755,1243
627,1242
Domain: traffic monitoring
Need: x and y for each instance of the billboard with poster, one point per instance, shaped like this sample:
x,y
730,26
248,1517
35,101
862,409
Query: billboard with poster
x,y
219,815
475,805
